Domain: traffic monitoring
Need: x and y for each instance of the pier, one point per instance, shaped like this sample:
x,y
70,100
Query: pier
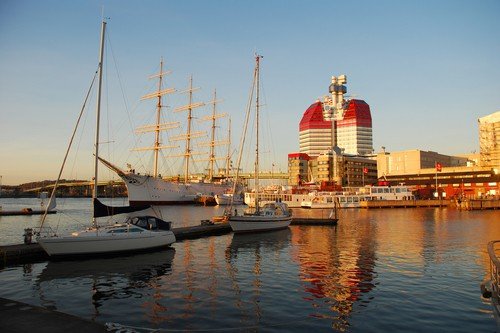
x,y
404,203
27,253
478,204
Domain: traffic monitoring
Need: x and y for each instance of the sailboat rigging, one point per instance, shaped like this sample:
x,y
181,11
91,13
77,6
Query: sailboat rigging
x,y
132,234
154,190
271,216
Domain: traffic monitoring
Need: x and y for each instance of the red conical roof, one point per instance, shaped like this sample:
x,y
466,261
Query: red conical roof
x,y
313,118
357,114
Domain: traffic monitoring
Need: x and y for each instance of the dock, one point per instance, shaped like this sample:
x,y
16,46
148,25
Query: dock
x,y
25,211
478,204
28,253
404,203
314,221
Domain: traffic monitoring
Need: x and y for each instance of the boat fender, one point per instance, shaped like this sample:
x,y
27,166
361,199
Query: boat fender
x,y
485,291
28,235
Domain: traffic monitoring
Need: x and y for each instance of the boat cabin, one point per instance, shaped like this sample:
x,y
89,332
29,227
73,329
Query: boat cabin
x,y
275,209
150,223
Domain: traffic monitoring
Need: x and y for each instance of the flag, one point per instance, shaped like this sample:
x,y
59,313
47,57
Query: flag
x,y
365,170
438,166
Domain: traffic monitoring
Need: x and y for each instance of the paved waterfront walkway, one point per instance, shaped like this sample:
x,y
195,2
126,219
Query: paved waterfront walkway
x,y
20,317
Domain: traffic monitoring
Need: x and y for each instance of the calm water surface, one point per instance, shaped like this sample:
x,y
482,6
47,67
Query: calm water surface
x,y
399,270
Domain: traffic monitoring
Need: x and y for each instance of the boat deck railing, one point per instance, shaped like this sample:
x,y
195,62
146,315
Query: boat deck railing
x,y
494,254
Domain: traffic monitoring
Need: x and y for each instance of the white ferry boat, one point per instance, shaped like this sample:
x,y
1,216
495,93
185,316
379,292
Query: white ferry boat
x,y
291,199
352,199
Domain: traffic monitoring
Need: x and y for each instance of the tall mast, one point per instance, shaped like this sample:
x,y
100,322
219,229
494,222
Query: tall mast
x,y
188,136
257,76
158,126
158,119
228,157
243,135
189,108
98,114
213,143
212,140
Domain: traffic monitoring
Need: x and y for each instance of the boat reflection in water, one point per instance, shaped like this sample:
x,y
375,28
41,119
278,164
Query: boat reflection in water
x,y
254,270
109,280
336,271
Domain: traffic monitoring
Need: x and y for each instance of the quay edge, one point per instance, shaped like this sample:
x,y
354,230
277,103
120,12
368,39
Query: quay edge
x,y
21,317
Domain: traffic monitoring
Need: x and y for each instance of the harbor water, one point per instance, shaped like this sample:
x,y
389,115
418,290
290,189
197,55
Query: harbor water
x,y
392,270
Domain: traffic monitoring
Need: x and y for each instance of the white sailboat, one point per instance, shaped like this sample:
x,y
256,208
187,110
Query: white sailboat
x,y
132,234
271,216
153,189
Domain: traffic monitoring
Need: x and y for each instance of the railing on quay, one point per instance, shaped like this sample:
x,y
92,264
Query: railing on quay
x,y
494,253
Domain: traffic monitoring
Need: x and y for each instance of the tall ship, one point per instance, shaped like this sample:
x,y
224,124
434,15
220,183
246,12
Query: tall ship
x,y
152,188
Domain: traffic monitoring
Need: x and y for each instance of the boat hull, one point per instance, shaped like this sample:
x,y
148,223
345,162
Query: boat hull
x,y
225,199
144,189
100,244
241,224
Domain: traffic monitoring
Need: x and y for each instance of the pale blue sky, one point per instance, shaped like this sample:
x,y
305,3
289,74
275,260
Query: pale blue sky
x,y
428,70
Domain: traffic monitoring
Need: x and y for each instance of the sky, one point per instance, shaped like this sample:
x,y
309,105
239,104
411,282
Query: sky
x,y
428,70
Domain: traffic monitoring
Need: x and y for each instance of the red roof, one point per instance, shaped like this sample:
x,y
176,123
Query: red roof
x,y
357,114
302,156
313,118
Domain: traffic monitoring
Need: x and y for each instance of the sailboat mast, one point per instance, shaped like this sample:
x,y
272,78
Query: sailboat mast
x,y
257,75
212,140
158,119
188,135
228,157
98,115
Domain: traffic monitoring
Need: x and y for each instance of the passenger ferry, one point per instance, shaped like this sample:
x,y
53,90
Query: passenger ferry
x,y
291,199
353,199
349,198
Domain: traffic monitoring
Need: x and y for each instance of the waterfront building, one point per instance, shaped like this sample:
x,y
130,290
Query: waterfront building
x,y
353,170
298,168
489,140
452,182
456,177
336,136
354,131
346,123
412,161
315,133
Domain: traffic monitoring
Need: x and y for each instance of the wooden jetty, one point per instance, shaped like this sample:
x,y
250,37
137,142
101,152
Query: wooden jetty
x,y
26,253
314,221
25,211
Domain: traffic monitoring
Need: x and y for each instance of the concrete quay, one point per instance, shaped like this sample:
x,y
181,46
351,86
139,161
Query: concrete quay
x,y
478,204
20,317
405,203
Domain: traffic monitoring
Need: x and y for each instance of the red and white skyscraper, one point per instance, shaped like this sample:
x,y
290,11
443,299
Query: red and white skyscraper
x,y
315,133
350,120
354,131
